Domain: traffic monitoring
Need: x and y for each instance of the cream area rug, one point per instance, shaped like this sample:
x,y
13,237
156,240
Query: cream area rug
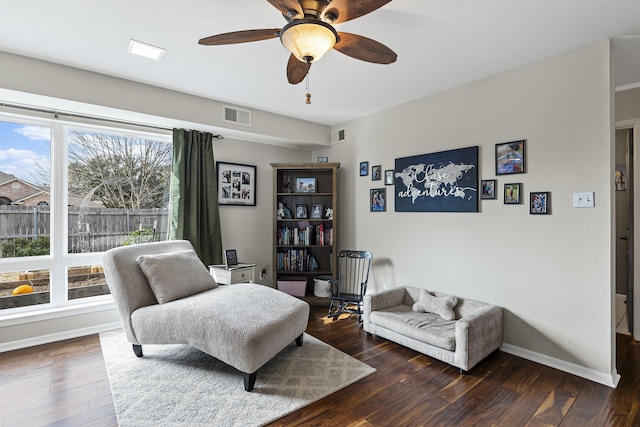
x,y
177,385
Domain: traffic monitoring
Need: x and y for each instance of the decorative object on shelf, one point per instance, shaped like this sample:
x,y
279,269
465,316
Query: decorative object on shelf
x,y
510,157
230,257
286,184
301,212
488,189
378,197
512,194
446,181
388,177
306,185
236,184
316,211
313,264
540,203
621,184
323,159
280,211
376,173
329,213
364,168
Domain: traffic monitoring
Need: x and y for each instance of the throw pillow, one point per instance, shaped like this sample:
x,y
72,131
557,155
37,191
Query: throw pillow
x,y
175,275
442,306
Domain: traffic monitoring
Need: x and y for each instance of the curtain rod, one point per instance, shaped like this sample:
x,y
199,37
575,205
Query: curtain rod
x,y
56,114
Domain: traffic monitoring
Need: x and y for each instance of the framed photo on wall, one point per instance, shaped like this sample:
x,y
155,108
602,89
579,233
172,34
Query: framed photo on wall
x,y
540,203
512,194
488,189
388,177
236,184
510,157
364,168
378,200
376,173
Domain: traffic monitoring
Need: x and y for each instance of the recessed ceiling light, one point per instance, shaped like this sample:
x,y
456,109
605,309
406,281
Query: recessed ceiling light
x,y
146,50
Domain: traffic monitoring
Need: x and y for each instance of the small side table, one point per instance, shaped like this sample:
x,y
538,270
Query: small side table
x,y
241,273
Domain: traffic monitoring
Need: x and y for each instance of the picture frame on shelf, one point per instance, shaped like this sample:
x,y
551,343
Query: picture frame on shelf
x,y
301,212
230,258
376,173
316,211
323,160
512,193
305,185
540,203
488,189
388,177
378,200
236,184
510,157
364,168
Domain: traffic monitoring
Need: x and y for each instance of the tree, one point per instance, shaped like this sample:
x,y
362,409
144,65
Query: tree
x,y
119,171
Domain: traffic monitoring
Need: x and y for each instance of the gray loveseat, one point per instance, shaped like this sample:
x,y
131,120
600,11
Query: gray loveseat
x,y
165,295
474,333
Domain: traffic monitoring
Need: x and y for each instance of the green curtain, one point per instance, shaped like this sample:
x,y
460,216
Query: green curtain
x,y
193,205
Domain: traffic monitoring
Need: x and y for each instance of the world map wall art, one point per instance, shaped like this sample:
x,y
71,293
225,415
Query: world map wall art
x,y
446,181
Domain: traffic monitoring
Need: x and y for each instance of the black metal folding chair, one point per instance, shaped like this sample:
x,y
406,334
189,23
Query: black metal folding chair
x,y
348,290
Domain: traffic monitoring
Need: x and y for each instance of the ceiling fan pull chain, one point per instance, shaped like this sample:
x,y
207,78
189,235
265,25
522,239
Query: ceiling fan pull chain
x,y
308,94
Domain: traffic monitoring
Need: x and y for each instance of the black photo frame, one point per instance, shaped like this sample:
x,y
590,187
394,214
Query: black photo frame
x,y
388,177
236,184
376,173
316,211
306,185
488,189
540,203
364,168
230,257
301,212
512,193
378,200
510,157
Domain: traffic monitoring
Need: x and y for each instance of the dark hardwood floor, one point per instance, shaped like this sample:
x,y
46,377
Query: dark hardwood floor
x,y
65,384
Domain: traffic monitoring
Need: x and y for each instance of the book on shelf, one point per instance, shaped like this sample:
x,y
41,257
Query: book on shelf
x,y
311,235
293,260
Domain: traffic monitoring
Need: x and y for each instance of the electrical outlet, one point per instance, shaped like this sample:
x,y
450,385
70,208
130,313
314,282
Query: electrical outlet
x,y
263,273
583,200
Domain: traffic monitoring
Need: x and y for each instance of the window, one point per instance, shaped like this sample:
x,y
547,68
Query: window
x,y
108,188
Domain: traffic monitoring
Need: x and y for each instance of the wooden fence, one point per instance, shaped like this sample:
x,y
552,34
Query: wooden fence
x,y
89,229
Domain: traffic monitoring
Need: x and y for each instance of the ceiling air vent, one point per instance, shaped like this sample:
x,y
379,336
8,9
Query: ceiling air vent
x,y
338,135
238,116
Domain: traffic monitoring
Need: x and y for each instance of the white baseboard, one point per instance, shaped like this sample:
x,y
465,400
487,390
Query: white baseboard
x,y
580,371
58,336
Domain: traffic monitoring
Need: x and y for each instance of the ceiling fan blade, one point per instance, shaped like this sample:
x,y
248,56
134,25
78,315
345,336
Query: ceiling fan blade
x,y
296,70
240,37
364,49
285,6
346,10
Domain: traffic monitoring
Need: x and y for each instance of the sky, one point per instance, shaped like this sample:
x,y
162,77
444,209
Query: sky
x,y
24,150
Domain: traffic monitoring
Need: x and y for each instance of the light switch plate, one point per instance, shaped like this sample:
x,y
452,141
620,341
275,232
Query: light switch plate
x,y
583,200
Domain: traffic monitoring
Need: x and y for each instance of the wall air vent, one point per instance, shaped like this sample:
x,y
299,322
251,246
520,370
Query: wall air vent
x,y
338,135
238,116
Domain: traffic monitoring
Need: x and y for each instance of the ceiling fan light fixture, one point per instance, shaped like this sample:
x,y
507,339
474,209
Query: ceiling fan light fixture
x,y
308,39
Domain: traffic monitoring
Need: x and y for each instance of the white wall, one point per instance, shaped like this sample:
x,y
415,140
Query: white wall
x,y
551,273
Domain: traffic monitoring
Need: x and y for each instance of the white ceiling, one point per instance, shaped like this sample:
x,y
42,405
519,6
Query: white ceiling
x,y
440,44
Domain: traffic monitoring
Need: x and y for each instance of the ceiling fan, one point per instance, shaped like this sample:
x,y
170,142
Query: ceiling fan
x,y
309,33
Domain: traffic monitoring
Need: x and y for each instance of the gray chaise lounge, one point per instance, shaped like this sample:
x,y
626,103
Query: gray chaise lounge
x,y
243,325
474,333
